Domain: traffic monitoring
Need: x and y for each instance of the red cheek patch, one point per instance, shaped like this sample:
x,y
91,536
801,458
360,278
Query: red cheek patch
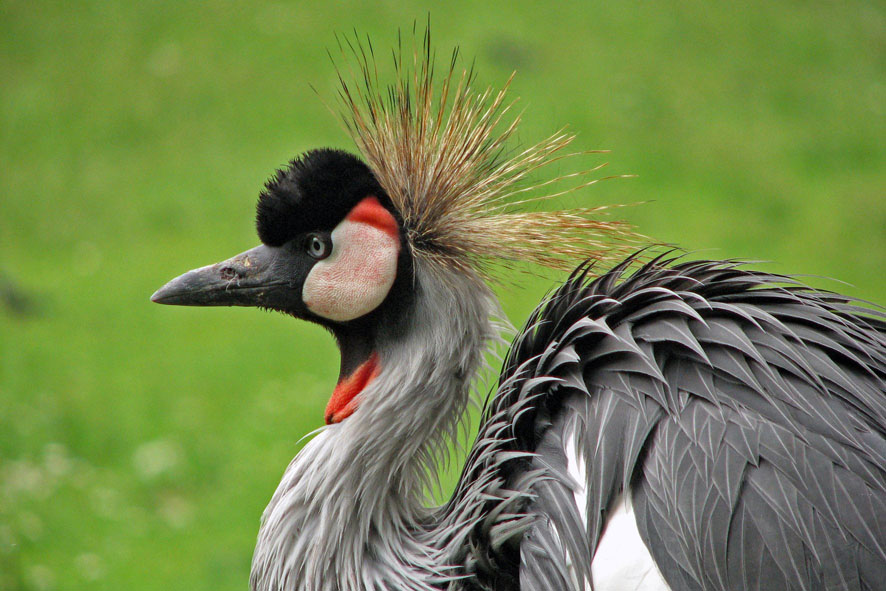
x,y
370,211
343,402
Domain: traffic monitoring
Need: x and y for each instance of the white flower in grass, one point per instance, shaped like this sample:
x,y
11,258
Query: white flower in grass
x,y
155,458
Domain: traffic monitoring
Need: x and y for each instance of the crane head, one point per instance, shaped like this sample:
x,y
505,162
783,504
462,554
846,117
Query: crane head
x,y
438,187
439,191
331,252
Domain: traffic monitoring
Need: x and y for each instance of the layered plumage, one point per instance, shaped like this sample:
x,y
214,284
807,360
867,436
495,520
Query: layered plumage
x,y
664,424
742,413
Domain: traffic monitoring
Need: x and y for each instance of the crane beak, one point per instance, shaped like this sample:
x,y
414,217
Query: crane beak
x,y
248,279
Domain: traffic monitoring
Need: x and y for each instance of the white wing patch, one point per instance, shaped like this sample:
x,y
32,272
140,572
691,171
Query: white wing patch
x,y
622,561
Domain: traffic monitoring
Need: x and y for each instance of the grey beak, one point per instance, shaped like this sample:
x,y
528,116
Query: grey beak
x,y
242,280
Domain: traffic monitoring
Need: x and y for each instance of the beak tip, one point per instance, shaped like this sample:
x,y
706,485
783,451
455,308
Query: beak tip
x,y
159,297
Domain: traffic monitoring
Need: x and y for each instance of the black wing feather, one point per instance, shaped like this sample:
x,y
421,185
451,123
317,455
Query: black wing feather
x,y
745,413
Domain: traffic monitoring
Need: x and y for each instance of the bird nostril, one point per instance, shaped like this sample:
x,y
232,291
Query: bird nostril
x,y
228,273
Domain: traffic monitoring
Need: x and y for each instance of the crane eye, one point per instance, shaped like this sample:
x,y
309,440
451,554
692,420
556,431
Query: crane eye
x,y
318,246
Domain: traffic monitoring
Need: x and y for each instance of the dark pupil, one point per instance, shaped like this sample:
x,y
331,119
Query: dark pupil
x,y
316,246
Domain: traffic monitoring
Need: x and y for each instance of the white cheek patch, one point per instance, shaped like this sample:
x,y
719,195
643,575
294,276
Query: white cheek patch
x,y
356,278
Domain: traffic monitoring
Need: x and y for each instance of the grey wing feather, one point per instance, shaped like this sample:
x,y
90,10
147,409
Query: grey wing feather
x,y
745,414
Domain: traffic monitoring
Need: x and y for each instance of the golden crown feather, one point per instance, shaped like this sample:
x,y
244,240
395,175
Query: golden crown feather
x,y
441,153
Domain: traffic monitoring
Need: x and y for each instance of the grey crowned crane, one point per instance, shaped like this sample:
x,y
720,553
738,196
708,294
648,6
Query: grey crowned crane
x,y
663,424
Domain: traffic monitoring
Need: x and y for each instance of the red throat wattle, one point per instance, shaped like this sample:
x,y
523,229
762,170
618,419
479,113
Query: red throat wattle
x,y
343,402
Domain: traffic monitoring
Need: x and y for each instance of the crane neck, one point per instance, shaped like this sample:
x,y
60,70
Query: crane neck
x,y
351,506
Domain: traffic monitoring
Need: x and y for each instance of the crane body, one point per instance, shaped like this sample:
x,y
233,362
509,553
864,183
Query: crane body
x,y
658,424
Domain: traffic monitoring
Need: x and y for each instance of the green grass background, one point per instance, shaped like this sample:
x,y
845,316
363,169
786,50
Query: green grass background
x,y
140,443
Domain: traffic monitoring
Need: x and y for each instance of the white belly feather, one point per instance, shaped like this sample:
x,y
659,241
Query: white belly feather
x,y
622,561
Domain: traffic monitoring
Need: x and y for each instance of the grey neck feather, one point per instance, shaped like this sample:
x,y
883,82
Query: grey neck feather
x,y
351,507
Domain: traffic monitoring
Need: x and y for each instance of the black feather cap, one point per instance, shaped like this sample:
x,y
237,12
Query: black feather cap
x,y
314,192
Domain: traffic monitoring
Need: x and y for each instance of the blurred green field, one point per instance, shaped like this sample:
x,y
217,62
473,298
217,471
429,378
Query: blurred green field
x,y
140,443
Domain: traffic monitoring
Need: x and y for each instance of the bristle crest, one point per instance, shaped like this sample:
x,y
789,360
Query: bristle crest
x,y
442,153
